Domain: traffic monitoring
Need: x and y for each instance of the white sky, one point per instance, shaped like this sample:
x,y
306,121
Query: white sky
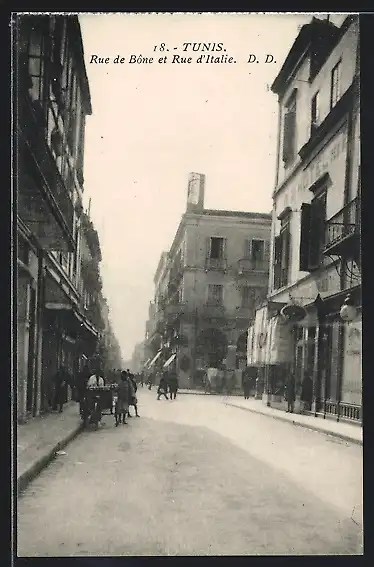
x,y
153,124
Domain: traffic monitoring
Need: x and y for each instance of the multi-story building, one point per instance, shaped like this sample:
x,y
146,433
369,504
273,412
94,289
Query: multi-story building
x,y
138,358
207,287
53,100
316,219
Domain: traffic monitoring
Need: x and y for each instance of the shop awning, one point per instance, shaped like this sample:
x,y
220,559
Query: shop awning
x,y
155,358
146,363
169,360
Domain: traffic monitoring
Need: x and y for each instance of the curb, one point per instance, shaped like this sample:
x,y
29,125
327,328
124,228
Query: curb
x,y
298,424
26,477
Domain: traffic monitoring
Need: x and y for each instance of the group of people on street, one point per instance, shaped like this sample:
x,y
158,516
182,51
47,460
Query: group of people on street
x,y
124,382
168,384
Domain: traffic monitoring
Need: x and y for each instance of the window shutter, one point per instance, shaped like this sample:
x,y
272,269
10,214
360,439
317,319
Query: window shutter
x,y
277,261
316,232
288,135
247,248
267,251
305,237
224,247
286,245
207,248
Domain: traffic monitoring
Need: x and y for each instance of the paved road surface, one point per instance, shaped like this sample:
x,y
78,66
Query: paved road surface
x,y
195,477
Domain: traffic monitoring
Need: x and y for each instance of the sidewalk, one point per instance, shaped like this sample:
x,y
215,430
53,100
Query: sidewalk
x,y
342,430
347,431
40,439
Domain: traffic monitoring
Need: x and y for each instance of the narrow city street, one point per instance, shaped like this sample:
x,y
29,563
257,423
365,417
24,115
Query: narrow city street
x,y
195,477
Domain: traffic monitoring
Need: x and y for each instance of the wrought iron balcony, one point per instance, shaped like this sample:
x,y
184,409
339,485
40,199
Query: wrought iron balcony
x,y
174,309
216,264
45,204
248,265
343,230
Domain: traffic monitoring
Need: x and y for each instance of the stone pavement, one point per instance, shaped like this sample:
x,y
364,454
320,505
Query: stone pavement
x,y
40,439
342,430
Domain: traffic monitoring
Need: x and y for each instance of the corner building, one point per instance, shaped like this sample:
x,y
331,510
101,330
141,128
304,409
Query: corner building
x,y
315,244
207,287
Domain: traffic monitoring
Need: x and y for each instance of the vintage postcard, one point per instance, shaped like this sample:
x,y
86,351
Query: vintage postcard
x,y
188,256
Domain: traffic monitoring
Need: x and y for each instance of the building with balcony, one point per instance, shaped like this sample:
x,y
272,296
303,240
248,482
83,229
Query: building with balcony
x,y
315,244
207,287
52,103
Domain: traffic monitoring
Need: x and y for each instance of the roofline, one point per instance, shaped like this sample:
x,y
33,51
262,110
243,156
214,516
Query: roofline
x,y
78,46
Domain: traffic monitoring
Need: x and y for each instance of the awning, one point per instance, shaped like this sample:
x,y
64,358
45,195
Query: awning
x,y
146,363
169,360
154,359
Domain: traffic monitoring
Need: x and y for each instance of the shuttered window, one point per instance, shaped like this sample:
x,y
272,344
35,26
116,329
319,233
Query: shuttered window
x,y
305,237
317,231
289,131
282,249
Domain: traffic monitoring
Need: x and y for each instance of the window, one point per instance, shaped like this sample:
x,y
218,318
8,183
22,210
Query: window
x,y
216,248
336,84
317,230
248,296
289,130
36,64
215,294
258,250
316,115
312,233
282,247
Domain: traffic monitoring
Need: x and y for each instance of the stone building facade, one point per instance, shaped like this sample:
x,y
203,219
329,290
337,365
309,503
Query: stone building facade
x,y
207,287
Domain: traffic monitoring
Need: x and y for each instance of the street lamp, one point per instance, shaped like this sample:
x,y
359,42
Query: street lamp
x,y
348,311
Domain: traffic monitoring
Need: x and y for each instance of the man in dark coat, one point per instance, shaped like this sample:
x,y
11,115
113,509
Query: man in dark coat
x,y
62,379
162,388
134,399
82,380
173,385
290,393
246,385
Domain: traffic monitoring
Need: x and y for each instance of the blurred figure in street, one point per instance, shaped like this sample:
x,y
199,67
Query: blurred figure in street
x,y
307,391
246,385
290,393
124,392
173,385
141,379
151,380
82,380
61,381
162,387
133,400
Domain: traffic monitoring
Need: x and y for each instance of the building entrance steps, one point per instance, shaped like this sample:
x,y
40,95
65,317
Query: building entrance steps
x,y
40,439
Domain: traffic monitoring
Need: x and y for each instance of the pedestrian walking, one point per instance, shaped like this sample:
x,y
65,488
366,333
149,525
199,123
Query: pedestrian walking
x,y
62,379
290,393
162,388
246,385
307,392
173,385
124,393
151,380
82,380
133,399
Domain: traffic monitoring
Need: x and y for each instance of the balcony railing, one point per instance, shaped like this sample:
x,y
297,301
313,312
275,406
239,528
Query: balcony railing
x,y
175,309
57,194
216,264
342,227
246,265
